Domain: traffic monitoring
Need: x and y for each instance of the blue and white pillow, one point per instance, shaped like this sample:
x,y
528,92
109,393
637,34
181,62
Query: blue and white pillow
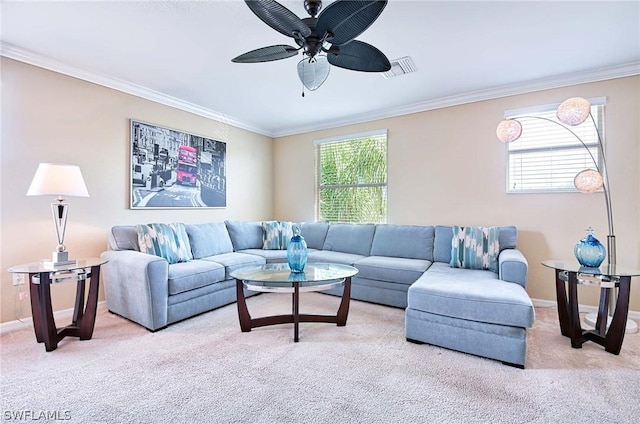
x,y
182,241
276,234
169,241
475,248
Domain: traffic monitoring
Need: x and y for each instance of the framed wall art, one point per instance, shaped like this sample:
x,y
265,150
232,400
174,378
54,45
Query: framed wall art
x,y
174,169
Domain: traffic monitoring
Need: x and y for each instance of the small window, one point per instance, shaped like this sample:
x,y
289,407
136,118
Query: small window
x,y
547,157
352,178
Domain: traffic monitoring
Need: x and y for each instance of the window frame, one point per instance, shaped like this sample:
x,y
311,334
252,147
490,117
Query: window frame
x,y
530,114
346,138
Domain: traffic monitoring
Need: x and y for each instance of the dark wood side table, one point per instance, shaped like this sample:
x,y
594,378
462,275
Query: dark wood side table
x,y
608,278
84,316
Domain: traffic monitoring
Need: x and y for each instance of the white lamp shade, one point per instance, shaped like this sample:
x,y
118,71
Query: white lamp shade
x,y
573,111
313,73
509,130
56,179
588,181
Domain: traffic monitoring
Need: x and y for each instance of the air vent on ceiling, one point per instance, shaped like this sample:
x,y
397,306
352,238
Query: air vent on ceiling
x,y
401,66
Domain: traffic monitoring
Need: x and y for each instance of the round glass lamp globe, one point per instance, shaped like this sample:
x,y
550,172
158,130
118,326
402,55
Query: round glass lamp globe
x,y
509,130
313,72
588,181
573,111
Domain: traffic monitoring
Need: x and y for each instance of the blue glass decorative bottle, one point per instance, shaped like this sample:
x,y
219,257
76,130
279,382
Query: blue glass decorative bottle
x,y
297,251
589,251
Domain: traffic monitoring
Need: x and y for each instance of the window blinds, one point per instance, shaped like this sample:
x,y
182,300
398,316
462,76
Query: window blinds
x,y
547,157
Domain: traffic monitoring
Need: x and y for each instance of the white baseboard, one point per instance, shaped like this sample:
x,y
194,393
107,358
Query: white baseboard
x,y
541,303
6,327
65,314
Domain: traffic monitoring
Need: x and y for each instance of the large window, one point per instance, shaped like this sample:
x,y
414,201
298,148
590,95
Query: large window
x,y
547,157
352,178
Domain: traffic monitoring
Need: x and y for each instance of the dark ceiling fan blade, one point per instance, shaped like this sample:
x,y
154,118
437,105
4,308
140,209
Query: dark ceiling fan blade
x,y
346,19
266,54
360,56
278,17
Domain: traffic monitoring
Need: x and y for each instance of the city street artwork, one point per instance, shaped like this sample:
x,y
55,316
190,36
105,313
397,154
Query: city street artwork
x,y
174,169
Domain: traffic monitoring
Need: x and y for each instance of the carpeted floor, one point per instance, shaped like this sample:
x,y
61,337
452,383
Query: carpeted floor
x,y
204,370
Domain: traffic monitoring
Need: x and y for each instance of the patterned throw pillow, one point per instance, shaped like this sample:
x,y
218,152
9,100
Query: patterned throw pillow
x,y
276,234
169,241
475,248
182,241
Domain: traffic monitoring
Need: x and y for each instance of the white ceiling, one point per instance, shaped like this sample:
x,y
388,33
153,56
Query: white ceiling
x,y
179,53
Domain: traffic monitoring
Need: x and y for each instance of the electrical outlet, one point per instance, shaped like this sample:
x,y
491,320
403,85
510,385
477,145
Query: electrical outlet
x,y
18,279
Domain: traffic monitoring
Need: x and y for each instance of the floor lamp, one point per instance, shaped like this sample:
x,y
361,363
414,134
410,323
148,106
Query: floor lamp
x,y
572,112
52,179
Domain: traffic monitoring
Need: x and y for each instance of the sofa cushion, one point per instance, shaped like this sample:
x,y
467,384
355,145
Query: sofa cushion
x,y
314,233
123,237
169,241
333,257
395,270
475,248
507,238
235,260
245,235
473,295
403,241
271,256
276,234
192,275
350,238
209,239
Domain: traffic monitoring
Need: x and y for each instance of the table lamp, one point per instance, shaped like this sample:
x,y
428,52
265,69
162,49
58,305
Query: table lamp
x,y
53,179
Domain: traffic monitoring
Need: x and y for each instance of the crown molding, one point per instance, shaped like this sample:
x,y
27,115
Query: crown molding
x,y
601,74
16,53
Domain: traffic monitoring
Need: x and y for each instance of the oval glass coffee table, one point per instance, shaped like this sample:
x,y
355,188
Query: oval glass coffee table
x,y
278,278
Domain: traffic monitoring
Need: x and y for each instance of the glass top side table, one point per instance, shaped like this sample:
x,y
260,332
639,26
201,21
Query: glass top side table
x,y
41,277
609,278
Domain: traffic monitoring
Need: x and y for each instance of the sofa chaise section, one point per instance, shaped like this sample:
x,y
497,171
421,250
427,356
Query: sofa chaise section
x,y
474,311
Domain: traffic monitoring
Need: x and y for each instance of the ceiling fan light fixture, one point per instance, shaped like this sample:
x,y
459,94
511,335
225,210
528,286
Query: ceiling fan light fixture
x,y
313,72
332,33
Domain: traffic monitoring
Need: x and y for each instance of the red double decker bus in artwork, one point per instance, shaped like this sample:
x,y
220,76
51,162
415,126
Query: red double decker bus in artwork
x,y
187,170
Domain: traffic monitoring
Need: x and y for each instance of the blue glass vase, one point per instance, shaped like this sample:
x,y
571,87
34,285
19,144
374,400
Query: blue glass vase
x,y
297,252
589,251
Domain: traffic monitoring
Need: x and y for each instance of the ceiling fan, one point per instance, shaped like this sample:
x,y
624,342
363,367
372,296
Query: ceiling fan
x,y
325,40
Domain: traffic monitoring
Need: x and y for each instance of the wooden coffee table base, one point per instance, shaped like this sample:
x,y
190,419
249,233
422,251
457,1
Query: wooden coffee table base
x,y
247,323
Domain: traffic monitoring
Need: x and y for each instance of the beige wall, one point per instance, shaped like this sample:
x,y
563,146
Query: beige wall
x,y
446,166
49,117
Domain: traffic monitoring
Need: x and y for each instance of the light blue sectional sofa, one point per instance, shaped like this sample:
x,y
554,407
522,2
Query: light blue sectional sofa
x,y
481,312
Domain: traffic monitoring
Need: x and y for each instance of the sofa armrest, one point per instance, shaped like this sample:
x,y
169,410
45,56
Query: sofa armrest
x,y
136,286
513,267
